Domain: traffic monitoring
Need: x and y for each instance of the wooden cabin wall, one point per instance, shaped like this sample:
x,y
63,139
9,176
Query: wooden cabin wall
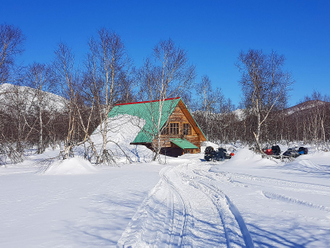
x,y
179,117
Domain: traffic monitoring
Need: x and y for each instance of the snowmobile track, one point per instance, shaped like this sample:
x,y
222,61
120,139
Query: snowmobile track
x,y
242,180
287,199
186,210
161,219
234,226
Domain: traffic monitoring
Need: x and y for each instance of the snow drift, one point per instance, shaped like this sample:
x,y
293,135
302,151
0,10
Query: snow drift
x,y
71,166
122,130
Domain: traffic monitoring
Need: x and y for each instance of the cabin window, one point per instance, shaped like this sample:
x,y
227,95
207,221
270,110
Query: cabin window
x,y
174,128
186,129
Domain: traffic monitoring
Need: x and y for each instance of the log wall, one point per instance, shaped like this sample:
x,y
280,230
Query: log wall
x,y
179,117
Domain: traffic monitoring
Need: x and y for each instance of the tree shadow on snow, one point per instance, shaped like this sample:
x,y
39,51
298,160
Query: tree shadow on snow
x,y
106,219
294,236
304,168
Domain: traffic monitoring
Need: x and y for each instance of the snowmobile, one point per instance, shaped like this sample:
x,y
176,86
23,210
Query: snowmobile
x,y
275,151
216,155
295,152
289,155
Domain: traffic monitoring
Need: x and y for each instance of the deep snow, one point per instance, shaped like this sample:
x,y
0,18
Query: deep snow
x,y
244,202
70,209
247,201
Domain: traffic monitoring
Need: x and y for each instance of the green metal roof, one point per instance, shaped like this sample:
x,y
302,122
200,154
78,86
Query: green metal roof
x,y
149,111
183,143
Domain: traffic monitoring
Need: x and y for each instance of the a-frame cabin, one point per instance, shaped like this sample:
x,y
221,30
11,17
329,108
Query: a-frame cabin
x,y
180,132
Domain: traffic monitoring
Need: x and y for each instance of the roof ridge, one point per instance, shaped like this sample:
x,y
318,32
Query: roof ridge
x,y
167,99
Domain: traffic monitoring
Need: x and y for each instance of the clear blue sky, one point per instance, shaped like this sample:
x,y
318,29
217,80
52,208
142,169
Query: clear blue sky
x,y
212,31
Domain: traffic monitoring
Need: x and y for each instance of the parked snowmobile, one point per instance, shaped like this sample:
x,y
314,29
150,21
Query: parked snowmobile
x,y
216,155
291,153
275,151
295,152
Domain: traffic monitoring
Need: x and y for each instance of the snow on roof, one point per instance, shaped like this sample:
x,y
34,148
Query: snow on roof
x,y
148,111
122,130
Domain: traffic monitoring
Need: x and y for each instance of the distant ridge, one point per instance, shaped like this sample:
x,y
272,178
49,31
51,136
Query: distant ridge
x,y
307,106
27,96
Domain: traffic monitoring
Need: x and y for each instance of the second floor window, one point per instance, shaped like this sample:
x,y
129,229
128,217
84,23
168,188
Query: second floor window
x,y
186,129
174,128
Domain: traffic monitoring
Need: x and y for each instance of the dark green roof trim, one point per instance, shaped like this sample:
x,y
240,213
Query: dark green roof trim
x,y
183,143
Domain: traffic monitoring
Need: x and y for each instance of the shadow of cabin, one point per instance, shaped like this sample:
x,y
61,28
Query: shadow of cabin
x,y
180,134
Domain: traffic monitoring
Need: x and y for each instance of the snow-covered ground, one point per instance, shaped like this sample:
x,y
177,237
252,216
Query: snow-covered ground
x,y
246,201
71,205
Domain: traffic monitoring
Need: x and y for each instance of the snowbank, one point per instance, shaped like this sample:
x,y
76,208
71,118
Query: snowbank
x,y
244,158
71,166
314,163
122,130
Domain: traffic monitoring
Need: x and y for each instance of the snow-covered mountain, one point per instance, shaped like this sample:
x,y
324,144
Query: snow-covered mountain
x,y
301,108
306,106
11,95
239,114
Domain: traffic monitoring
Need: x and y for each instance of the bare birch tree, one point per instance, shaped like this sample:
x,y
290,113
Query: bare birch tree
x,y
165,75
108,69
264,85
316,119
79,115
66,77
39,77
11,44
14,103
209,102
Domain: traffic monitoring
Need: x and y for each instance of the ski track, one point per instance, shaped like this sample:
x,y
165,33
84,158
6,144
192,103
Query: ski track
x,y
186,210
